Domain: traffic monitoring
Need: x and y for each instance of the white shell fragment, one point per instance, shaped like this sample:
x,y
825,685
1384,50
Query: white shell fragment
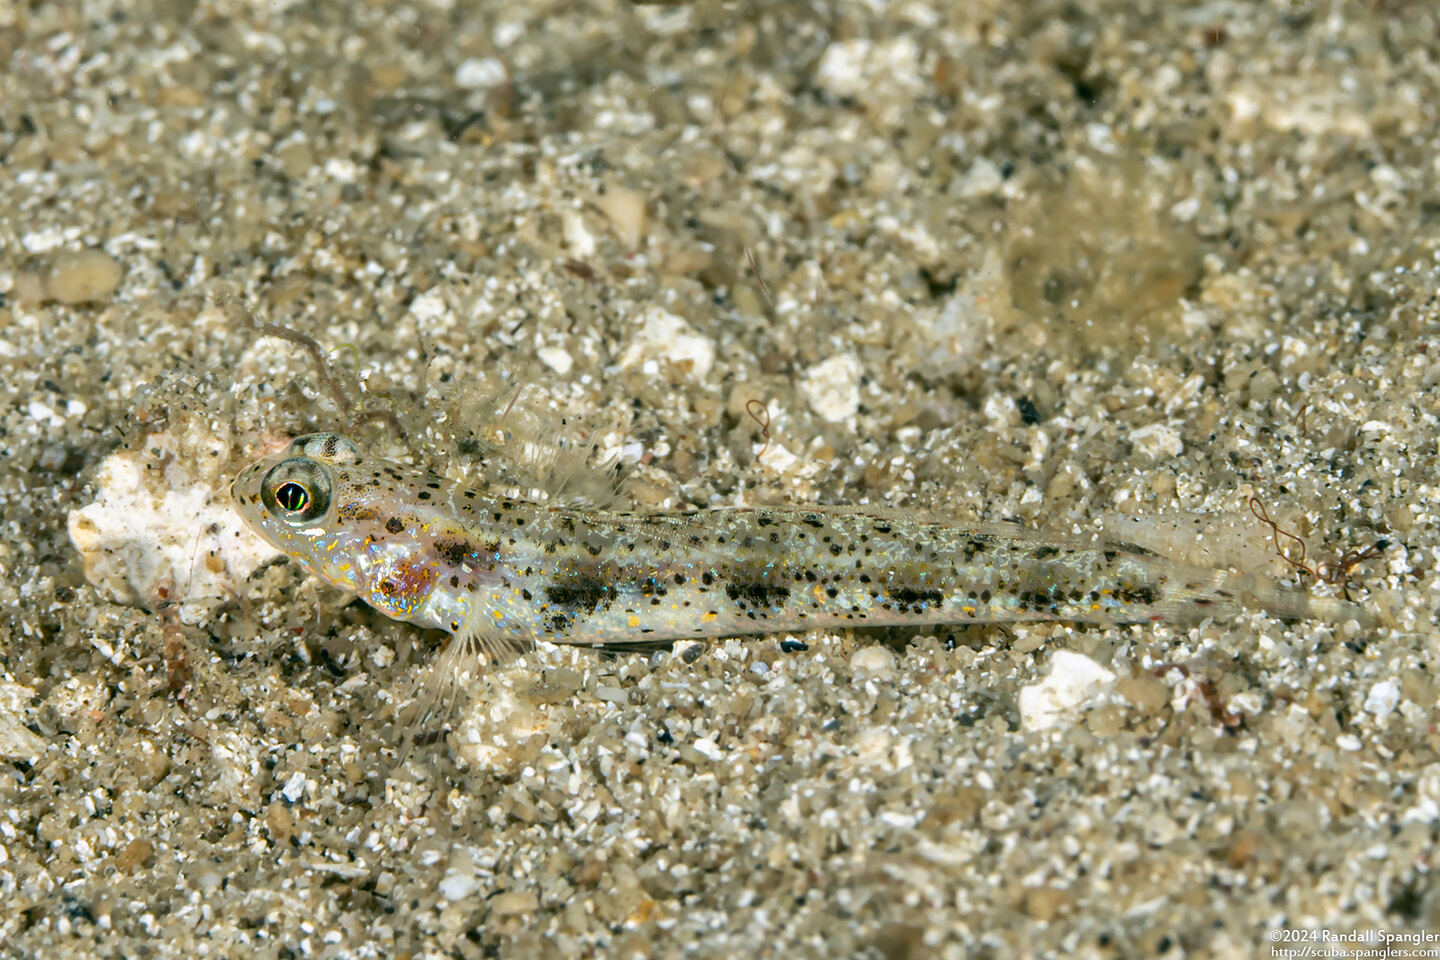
x,y
17,742
159,521
833,388
1073,680
664,336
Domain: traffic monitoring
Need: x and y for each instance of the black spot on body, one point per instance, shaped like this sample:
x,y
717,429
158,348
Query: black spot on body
x,y
1140,594
394,525
758,593
582,596
914,597
454,552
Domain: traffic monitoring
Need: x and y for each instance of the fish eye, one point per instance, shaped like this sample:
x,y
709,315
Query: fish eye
x,y
296,491
292,496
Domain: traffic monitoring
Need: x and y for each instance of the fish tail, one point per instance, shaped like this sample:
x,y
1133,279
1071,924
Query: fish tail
x,y
1191,594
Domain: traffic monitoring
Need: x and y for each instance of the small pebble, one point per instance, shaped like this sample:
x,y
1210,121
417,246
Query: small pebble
x,y
556,358
136,853
873,662
1145,692
17,741
294,787
83,276
458,884
1382,699
616,695
514,901
833,388
628,215
1158,441
1073,679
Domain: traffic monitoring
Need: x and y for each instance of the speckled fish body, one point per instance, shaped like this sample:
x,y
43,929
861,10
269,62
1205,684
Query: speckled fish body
x,y
428,551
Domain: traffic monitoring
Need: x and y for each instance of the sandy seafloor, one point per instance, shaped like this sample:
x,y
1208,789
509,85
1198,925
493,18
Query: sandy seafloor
x,y
1054,262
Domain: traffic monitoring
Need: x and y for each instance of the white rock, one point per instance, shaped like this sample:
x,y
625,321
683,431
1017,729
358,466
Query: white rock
x,y
162,517
1158,441
832,388
953,339
842,67
431,306
40,241
294,787
777,458
872,662
494,727
853,68
1382,699
664,336
628,212
1001,411
982,179
479,72
459,881
578,235
17,742
1073,680
556,358
342,169
899,819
